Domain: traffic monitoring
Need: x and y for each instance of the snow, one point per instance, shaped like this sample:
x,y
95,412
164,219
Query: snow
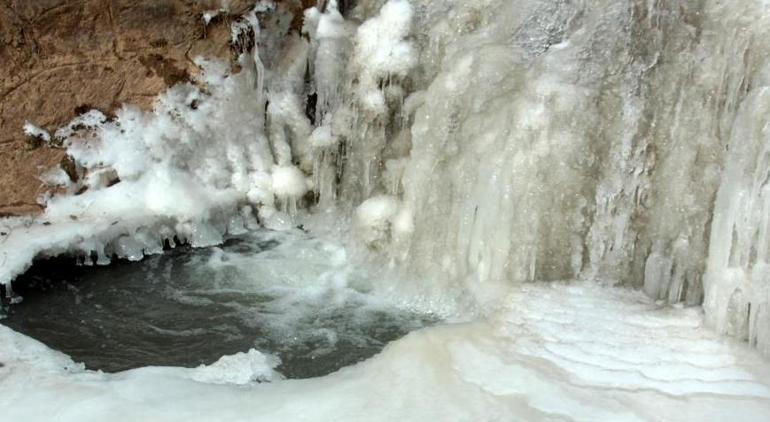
x,y
90,119
575,351
375,216
239,369
322,137
479,146
209,15
184,170
36,132
382,51
289,182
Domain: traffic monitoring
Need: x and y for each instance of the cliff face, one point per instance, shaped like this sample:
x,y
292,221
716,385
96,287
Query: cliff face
x,y
62,57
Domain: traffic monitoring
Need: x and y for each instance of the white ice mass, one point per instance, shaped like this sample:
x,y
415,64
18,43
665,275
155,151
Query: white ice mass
x,y
488,151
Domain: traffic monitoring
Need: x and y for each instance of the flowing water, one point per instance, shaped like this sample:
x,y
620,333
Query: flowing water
x,y
284,294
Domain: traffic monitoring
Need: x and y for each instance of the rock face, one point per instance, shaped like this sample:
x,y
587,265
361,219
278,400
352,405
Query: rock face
x,y
62,57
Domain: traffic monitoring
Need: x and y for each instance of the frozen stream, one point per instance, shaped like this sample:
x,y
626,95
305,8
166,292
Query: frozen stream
x,y
282,293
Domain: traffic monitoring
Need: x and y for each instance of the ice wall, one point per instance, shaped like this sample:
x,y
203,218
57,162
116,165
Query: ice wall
x,y
574,139
737,279
552,137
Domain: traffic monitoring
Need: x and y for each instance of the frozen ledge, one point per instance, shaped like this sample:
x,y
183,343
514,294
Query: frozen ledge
x,y
129,231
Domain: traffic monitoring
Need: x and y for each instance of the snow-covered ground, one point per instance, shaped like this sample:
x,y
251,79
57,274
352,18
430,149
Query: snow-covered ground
x,y
575,351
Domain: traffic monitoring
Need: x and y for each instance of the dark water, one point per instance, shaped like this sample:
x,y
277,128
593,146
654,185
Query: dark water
x,y
288,296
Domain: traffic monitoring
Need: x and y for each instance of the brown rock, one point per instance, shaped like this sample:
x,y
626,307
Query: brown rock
x,y
61,57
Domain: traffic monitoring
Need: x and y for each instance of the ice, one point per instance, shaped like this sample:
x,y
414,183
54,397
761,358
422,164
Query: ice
x,y
239,369
736,281
330,42
322,137
375,216
190,165
480,147
382,52
553,352
289,185
289,182
560,140
57,177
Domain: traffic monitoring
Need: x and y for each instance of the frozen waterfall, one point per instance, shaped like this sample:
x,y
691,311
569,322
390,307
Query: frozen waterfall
x,y
475,146
487,143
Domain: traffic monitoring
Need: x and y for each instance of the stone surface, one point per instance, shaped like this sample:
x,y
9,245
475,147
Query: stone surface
x,y
62,57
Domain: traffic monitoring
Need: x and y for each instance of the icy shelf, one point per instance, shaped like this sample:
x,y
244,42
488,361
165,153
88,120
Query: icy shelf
x,y
554,352
189,307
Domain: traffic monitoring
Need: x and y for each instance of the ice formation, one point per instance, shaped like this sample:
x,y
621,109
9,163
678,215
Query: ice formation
x,y
521,140
198,163
476,145
382,52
